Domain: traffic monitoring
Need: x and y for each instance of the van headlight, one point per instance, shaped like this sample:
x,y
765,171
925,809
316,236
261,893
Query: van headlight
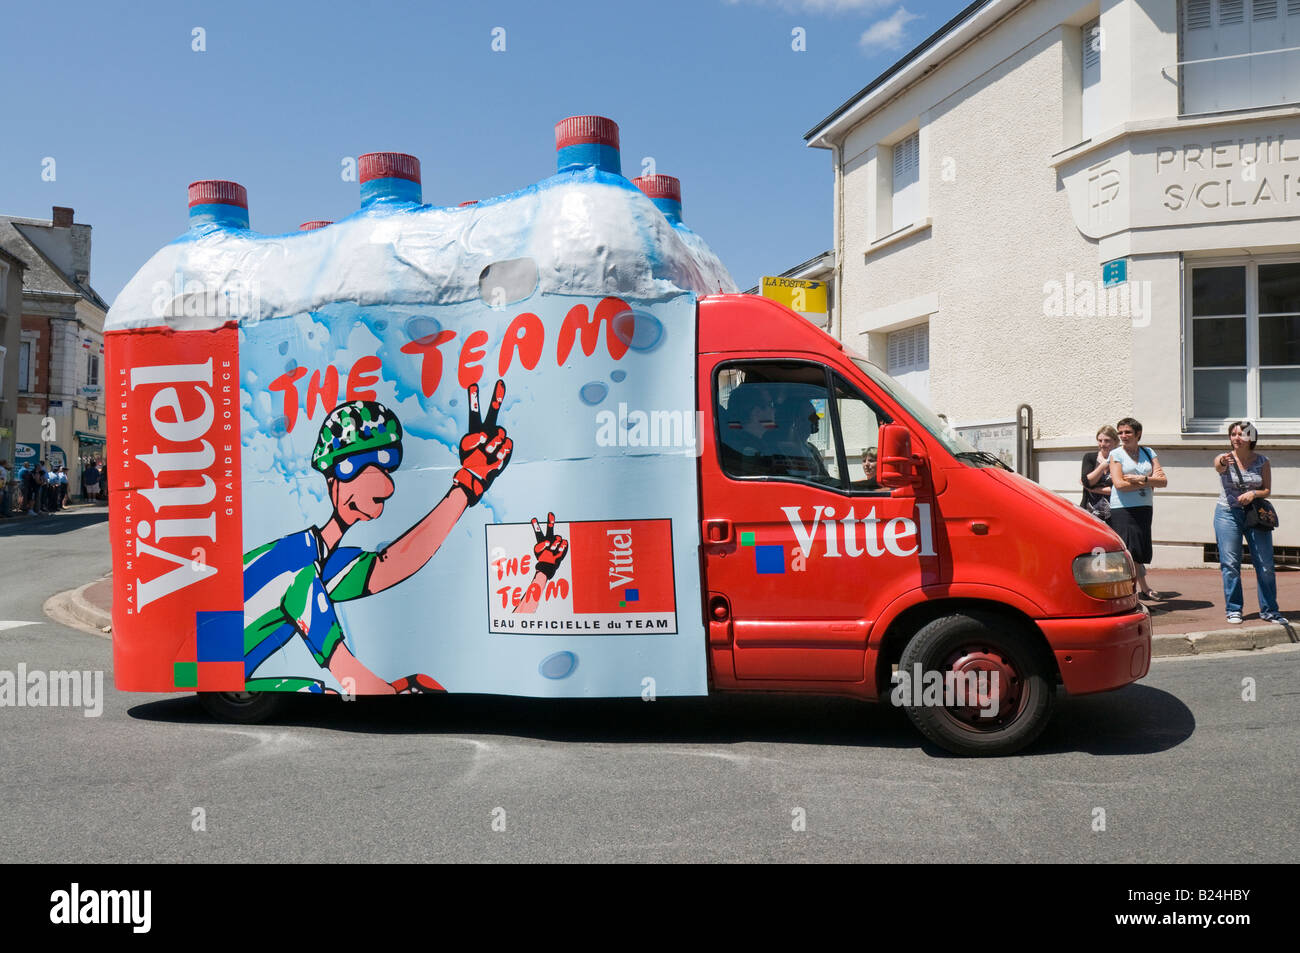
x,y
1106,575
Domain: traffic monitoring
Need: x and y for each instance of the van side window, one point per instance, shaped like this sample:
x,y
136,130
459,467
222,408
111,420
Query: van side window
x,y
859,424
774,421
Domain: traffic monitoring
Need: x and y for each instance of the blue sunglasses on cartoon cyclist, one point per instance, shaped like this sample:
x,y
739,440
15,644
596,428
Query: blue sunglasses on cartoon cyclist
x,y
387,459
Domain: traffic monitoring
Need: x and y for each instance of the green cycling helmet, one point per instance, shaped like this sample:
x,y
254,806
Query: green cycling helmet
x,y
359,426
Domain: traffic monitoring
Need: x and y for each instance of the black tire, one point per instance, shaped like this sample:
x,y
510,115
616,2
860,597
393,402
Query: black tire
x,y
243,708
975,641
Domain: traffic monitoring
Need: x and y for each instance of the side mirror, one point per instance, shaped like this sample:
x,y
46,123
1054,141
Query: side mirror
x,y
895,465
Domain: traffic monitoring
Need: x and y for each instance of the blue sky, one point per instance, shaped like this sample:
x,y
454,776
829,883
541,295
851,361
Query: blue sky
x,y
711,89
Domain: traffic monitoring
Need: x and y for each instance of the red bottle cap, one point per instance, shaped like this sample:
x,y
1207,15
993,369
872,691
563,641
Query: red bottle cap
x,y
470,202
659,186
579,130
389,165
218,192
312,226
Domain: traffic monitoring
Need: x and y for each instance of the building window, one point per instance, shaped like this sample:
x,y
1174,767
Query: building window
x,y
907,182
1258,36
1245,340
25,367
907,359
1090,87
92,368
4,276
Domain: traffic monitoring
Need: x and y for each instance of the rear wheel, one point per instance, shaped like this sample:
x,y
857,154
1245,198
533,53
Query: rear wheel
x,y
996,681
245,708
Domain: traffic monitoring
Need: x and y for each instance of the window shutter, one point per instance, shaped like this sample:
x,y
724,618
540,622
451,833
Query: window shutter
x,y
1265,10
1090,96
24,366
1196,14
907,169
1231,11
909,349
909,359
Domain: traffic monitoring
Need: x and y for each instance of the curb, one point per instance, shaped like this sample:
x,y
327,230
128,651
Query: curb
x,y
72,608
1222,640
87,611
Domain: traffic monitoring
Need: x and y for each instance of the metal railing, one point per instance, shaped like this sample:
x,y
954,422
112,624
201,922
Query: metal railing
x,y
1255,80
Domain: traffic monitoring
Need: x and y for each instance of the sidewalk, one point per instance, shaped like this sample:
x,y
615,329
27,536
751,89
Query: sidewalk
x,y
16,515
1189,621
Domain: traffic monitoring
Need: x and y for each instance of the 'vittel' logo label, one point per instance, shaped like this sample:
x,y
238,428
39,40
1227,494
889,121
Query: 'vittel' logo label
x,y
182,410
620,558
865,536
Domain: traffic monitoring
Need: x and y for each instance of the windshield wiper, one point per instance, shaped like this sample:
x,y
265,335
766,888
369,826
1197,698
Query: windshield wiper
x,y
983,456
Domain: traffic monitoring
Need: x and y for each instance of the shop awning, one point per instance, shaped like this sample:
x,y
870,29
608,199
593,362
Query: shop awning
x,y
85,437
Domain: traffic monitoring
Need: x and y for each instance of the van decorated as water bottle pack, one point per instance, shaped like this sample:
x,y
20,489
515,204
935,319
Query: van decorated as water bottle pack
x,y
536,445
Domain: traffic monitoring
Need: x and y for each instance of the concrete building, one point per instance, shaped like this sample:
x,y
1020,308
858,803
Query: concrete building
x,y
1093,209
11,315
60,370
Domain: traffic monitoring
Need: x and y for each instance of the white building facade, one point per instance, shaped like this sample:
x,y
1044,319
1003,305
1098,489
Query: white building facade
x,y
1092,209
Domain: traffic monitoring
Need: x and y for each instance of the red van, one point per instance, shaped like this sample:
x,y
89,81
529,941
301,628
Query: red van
x,y
946,560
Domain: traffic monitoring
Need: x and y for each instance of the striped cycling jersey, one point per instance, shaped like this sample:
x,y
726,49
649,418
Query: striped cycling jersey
x,y
290,586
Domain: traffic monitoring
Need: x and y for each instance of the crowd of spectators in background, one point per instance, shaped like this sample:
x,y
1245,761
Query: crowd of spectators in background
x,y
41,488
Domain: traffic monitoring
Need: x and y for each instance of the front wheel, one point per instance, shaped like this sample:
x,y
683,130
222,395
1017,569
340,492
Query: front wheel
x,y
244,708
987,687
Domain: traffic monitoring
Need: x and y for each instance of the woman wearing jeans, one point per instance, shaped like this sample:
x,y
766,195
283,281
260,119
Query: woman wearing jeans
x,y
1246,476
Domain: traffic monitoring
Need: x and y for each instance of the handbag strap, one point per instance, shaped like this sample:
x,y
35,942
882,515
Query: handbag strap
x,y
1232,462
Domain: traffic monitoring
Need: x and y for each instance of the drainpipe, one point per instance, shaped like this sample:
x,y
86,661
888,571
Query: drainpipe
x,y
837,152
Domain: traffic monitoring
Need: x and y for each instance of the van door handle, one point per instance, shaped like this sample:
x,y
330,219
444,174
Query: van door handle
x,y
717,532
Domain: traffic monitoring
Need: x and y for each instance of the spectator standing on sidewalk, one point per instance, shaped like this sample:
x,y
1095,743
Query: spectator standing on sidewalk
x,y
26,480
1245,476
1096,474
1135,472
90,481
4,488
46,490
103,481
38,489
61,490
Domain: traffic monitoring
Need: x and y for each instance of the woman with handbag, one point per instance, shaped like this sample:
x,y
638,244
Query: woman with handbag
x,y
1096,474
1134,472
1243,510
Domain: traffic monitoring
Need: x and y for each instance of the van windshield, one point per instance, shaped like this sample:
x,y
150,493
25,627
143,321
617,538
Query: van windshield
x,y
927,418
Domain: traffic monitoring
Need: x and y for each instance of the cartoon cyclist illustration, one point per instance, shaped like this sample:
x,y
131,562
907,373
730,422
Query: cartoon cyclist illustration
x,y
292,583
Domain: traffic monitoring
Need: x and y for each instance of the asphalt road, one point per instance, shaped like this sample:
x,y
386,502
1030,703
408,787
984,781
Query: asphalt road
x,y
1183,768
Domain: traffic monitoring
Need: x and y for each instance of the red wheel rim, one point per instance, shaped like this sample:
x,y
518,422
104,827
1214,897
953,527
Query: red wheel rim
x,y
999,687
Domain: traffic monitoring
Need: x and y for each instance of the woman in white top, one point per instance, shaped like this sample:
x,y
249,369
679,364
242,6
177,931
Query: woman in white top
x,y
1135,472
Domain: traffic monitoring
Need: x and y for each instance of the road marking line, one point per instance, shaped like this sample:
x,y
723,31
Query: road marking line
x,y
13,625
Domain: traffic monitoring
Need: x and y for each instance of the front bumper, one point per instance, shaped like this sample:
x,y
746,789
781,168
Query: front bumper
x,y
1099,653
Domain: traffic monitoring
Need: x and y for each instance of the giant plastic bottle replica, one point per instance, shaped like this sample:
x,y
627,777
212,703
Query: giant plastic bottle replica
x,y
417,449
